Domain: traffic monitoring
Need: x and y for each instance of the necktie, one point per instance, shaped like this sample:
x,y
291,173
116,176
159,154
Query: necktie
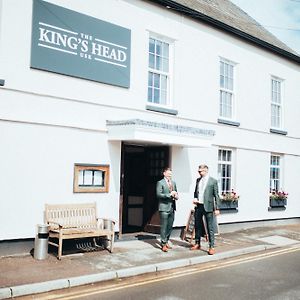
x,y
170,185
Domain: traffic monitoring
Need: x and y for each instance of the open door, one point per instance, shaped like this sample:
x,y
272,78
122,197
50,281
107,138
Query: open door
x,y
141,168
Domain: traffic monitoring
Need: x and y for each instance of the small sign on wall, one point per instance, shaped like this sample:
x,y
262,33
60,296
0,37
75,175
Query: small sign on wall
x,y
74,44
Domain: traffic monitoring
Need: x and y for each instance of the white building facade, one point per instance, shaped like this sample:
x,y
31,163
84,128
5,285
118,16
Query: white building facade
x,y
155,87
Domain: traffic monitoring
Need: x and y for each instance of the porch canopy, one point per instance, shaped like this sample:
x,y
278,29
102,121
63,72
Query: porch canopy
x,y
137,130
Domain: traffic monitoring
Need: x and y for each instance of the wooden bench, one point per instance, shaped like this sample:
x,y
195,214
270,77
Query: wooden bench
x,y
72,221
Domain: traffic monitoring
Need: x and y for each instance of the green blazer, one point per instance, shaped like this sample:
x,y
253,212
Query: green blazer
x,y
211,199
165,201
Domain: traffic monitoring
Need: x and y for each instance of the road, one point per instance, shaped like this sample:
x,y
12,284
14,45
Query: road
x,y
274,275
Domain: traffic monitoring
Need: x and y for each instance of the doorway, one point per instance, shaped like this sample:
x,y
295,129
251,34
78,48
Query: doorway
x,y
141,168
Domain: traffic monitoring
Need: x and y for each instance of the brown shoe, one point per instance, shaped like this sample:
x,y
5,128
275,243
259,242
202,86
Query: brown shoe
x,y
195,247
169,246
211,251
164,248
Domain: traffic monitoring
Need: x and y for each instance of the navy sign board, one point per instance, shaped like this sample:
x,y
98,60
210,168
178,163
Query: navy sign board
x,y
74,44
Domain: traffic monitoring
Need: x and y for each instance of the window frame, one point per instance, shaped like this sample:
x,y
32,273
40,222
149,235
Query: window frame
x,y
77,188
169,74
231,92
279,167
276,103
232,165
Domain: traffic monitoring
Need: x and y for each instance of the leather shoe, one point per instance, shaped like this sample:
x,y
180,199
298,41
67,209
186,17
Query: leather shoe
x,y
211,251
164,248
195,247
168,246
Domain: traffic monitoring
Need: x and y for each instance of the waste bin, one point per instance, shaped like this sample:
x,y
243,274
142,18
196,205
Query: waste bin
x,y
108,224
41,242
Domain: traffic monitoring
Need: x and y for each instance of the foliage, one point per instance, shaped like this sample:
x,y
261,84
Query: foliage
x,y
278,195
229,196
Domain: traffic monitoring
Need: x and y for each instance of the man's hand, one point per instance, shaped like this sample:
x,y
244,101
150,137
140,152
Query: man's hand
x,y
195,201
217,212
174,195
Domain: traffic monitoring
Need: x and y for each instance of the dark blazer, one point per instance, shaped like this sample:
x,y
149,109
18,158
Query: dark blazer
x,y
211,197
165,200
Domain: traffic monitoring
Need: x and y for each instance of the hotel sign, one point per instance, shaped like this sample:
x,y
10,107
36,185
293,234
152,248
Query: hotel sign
x,y
74,44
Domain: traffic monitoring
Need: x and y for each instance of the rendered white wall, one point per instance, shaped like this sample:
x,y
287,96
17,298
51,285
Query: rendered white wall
x,y
49,121
37,164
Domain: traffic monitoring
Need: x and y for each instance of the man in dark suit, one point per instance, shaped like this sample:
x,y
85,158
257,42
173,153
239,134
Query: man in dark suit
x,y
206,200
166,192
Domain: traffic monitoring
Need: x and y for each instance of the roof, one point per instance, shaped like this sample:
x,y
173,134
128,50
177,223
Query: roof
x,y
225,15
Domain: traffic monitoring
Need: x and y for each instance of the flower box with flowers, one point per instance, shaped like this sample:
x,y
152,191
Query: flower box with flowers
x,y
229,200
278,198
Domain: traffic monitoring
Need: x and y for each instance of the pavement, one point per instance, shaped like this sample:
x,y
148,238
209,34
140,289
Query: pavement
x,y
135,254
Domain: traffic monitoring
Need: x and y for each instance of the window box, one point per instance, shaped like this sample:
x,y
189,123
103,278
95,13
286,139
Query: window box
x,y
278,202
224,205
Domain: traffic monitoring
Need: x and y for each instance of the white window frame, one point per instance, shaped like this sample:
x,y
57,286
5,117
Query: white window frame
x,y
276,183
277,103
229,89
227,163
169,96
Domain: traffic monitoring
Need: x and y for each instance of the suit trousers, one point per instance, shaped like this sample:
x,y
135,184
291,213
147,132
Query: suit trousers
x,y
209,218
166,225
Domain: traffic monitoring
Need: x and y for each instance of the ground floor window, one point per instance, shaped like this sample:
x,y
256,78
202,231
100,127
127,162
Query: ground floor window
x,y
275,173
225,170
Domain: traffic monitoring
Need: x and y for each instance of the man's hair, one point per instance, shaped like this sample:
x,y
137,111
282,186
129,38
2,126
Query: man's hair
x,y
166,169
203,167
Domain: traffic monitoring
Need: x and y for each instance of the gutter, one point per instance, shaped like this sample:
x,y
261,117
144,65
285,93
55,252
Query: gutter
x,y
220,25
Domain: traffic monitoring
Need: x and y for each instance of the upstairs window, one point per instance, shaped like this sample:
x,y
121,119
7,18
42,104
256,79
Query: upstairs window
x,y
276,103
226,90
158,72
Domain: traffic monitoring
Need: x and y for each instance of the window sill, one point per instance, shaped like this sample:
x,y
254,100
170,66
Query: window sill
x,y
163,110
278,131
273,208
228,122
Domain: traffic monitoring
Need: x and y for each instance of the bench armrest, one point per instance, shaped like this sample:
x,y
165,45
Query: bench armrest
x,y
49,222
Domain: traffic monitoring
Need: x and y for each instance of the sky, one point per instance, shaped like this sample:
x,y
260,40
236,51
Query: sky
x,y
280,17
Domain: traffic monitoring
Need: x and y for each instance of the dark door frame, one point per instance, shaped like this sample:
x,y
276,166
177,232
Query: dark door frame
x,y
155,177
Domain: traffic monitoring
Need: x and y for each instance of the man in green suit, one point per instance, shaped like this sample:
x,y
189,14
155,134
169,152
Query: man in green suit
x,y
206,201
166,192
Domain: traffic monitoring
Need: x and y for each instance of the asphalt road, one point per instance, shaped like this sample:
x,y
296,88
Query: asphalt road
x,y
273,275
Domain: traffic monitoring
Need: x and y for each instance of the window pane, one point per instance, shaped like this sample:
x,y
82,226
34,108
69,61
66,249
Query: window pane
x,y
150,95
156,80
164,82
166,50
158,47
156,96
98,178
151,46
80,177
88,177
165,66
163,98
150,79
158,63
151,61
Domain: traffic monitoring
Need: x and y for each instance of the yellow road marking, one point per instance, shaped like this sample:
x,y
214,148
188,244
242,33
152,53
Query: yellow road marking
x,y
177,274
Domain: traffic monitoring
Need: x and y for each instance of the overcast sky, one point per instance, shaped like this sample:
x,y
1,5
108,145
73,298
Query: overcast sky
x,y
280,17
